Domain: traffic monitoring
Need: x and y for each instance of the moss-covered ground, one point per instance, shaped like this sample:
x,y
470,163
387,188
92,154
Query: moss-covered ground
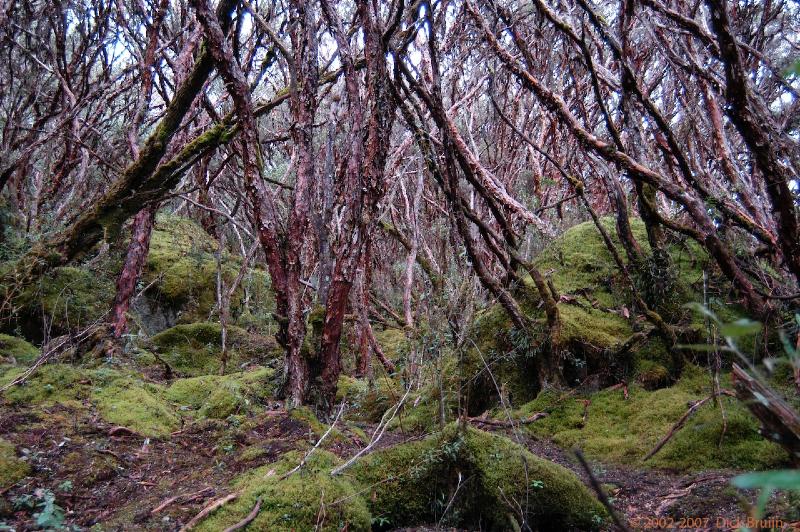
x,y
620,430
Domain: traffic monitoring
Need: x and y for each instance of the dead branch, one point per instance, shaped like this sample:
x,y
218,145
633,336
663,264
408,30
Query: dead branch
x,y
682,421
507,424
184,497
211,507
247,520
779,422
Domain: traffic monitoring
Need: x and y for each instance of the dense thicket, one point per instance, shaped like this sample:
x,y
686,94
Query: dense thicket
x,y
404,161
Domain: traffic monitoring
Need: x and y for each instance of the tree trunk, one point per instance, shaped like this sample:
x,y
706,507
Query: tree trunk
x,y
135,259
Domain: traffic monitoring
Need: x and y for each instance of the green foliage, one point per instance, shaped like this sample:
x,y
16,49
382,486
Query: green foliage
x,y
481,479
12,469
16,350
309,499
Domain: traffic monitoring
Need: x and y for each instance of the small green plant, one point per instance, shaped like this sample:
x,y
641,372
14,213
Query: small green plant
x,y
47,515
380,521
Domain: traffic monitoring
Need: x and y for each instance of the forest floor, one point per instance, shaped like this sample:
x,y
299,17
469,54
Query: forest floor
x,y
102,473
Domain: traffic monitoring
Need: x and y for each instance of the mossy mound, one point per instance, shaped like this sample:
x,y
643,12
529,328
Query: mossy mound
x,y
624,431
66,299
368,402
394,343
483,480
50,384
183,265
595,312
217,397
12,469
196,349
138,406
309,499
15,350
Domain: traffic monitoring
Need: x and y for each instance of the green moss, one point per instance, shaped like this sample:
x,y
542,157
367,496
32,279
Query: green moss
x,y
624,431
183,265
652,375
196,349
309,499
12,469
487,480
137,406
16,350
51,383
218,397
394,343
70,298
368,403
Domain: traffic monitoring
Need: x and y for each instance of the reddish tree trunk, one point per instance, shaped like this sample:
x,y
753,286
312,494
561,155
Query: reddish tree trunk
x,y
135,259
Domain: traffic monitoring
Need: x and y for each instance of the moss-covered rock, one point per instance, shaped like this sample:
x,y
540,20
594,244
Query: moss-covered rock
x,y
67,298
196,349
183,265
12,469
15,350
138,406
309,499
482,480
394,343
595,313
624,430
214,396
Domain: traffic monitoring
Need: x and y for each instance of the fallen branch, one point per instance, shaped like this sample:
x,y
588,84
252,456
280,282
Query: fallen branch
x,y
247,520
507,424
183,498
586,403
211,507
316,446
46,356
600,493
682,421
376,435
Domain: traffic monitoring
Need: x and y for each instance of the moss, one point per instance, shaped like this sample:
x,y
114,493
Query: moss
x,y
652,375
51,383
12,469
68,297
183,265
488,482
624,431
137,406
368,402
218,397
309,499
16,350
592,316
316,428
196,349
394,343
